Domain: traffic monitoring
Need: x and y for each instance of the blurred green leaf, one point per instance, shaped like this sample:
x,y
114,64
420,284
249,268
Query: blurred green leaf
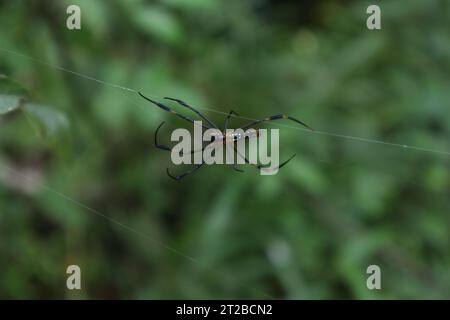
x,y
52,120
11,94
9,103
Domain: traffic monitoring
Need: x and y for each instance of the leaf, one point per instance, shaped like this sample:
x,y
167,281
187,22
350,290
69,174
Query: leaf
x,y
12,95
51,119
9,103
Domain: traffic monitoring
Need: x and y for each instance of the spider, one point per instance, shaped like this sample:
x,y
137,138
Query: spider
x,y
221,138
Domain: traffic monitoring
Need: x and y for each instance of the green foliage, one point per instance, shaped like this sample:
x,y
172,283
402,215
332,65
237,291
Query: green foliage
x,y
342,204
10,95
9,103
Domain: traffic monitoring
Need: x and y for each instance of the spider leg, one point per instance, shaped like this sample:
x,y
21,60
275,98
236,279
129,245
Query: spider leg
x,y
258,166
166,148
160,146
276,117
235,167
184,104
165,108
181,176
286,162
228,119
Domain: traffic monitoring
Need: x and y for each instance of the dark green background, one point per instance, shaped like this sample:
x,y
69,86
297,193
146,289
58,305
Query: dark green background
x,y
308,232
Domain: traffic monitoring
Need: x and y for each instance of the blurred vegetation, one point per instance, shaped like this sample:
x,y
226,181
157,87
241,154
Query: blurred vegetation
x,y
308,232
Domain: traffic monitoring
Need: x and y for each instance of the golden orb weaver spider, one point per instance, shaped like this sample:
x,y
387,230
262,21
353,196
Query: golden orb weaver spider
x,y
221,137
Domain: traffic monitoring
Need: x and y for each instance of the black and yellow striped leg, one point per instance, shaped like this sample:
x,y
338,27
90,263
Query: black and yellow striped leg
x,y
165,108
166,148
258,166
184,104
276,117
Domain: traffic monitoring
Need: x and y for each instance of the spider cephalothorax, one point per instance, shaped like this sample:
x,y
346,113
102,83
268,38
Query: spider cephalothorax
x,y
224,136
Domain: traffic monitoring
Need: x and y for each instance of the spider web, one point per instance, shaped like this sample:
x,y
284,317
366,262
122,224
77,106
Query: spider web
x,y
135,102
